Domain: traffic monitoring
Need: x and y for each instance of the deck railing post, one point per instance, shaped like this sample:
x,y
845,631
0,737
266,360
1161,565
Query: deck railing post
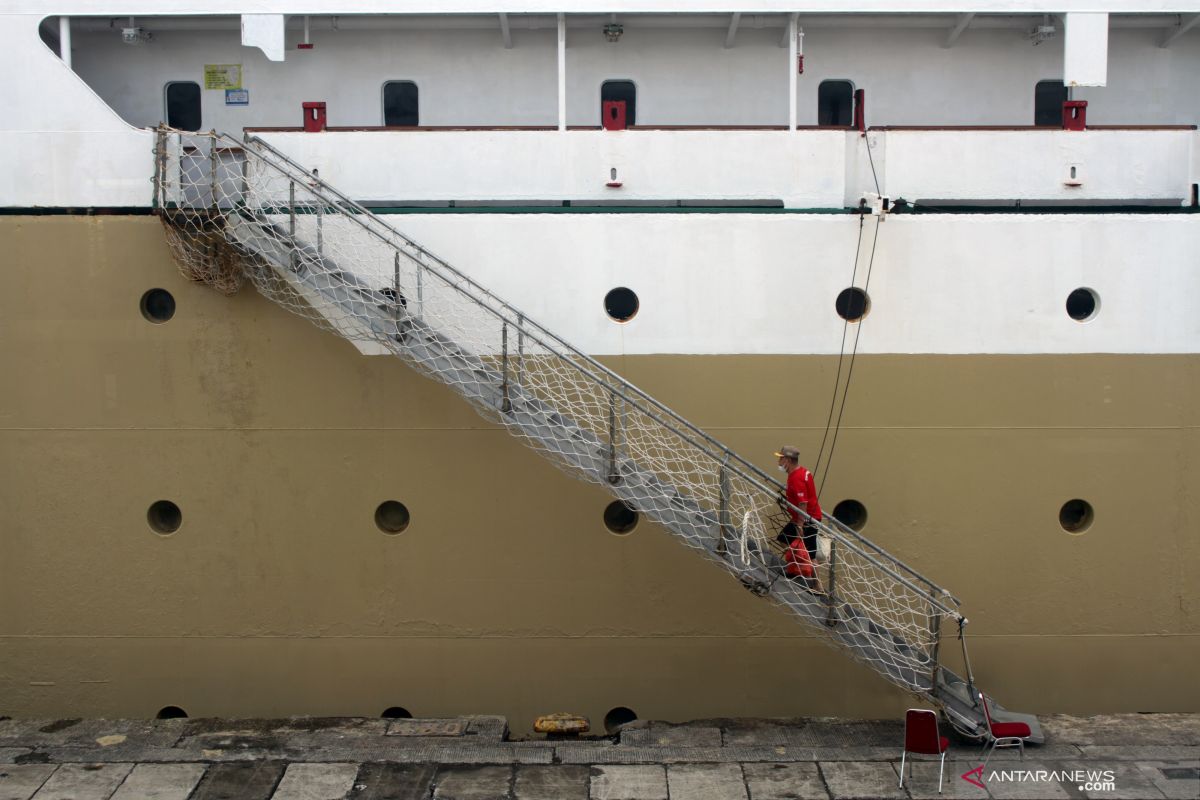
x,y
320,226
935,636
292,225
398,303
614,477
245,187
505,403
212,170
520,347
420,290
831,617
723,509
156,199
962,637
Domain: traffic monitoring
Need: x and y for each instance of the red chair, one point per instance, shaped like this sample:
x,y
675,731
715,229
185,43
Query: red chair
x,y
1004,734
921,735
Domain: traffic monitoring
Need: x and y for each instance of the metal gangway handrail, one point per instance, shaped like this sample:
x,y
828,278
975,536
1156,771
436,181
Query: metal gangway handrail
x,y
598,372
236,207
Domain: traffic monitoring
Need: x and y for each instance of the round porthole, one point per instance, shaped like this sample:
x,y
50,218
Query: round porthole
x,y
158,306
171,712
852,304
396,712
852,514
620,518
164,517
1083,304
392,517
1076,516
618,717
621,304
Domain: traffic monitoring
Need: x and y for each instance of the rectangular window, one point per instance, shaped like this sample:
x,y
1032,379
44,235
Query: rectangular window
x,y
1048,99
618,92
835,104
400,104
183,105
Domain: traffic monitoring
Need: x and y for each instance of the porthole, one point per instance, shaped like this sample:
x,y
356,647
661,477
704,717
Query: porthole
x,y
396,712
164,517
852,304
392,517
620,518
852,514
171,712
158,306
1083,304
621,304
618,717
1076,516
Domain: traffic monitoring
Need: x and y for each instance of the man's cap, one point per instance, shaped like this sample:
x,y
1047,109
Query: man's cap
x,y
787,451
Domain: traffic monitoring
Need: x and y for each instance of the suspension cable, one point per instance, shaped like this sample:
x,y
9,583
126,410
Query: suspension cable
x,y
842,348
850,370
858,332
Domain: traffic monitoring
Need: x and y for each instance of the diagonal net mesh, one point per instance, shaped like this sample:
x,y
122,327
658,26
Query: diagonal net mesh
x,y
237,211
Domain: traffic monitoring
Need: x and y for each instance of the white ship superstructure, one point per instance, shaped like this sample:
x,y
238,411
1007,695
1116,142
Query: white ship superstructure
x,y
990,205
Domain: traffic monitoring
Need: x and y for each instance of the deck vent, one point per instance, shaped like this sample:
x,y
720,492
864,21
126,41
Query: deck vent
x,y
171,712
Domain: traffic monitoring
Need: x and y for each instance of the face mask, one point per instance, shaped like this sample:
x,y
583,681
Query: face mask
x,y
782,468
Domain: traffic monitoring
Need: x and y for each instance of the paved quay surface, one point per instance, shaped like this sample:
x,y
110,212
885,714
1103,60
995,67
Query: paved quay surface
x,y
474,758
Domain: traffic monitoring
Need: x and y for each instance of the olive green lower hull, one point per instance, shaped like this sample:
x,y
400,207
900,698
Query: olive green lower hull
x,y
658,676
278,594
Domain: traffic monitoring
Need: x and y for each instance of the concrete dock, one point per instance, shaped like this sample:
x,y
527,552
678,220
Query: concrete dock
x,y
478,758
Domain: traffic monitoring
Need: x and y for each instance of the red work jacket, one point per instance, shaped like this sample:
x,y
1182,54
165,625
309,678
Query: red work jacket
x,y
802,492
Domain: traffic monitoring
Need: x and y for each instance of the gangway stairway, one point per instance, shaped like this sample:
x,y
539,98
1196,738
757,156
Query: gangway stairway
x,y
235,210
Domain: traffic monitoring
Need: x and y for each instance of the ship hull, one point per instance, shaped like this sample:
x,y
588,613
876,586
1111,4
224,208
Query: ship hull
x,y
506,594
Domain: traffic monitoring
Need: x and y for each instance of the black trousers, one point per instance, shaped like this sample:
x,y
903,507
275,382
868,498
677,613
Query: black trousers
x,y
810,541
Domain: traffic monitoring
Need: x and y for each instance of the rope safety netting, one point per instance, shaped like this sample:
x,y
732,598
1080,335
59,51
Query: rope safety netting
x,y
237,211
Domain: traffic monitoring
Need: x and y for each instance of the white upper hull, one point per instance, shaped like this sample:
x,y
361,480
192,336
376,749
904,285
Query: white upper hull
x,y
708,283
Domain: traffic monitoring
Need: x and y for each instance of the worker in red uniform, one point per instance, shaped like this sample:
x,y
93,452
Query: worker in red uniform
x,y
801,555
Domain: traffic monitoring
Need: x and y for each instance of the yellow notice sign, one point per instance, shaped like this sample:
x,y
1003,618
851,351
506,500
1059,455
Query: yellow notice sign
x,y
222,76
